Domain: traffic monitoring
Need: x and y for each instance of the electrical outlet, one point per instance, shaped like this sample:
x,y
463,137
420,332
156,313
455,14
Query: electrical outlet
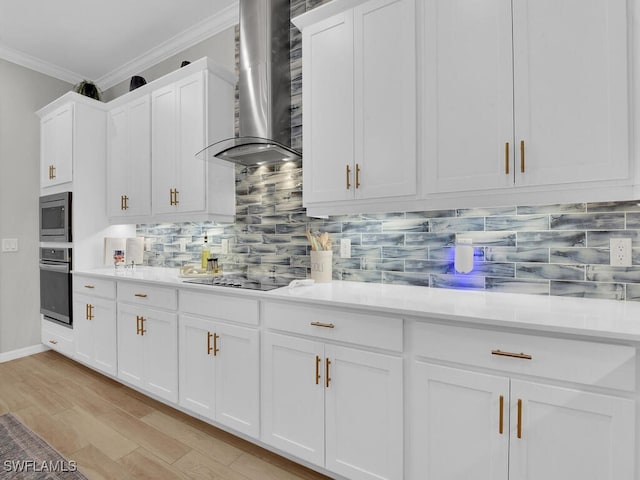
x,y
620,252
183,244
225,246
345,248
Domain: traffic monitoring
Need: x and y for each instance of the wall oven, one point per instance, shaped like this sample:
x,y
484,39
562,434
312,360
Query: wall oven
x,y
55,285
55,217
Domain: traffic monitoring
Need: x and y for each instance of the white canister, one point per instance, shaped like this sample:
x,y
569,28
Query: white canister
x,y
321,265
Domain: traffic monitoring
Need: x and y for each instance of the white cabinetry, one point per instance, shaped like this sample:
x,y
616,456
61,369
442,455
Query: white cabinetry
x,y
220,359
187,115
498,426
147,338
57,337
56,146
94,320
334,406
531,94
129,161
359,96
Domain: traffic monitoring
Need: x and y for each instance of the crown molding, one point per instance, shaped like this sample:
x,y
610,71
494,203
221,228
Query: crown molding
x,y
208,27
34,63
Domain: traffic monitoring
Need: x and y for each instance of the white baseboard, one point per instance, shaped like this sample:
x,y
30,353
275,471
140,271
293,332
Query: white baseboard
x,y
22,352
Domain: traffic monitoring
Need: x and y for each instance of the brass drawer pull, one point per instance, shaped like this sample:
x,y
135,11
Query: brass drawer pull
x,y
500,353
141,295
348,177
325,325
89,286
53,342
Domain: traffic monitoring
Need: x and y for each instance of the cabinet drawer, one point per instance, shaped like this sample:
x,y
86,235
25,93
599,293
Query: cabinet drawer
x,y
591,363
236,309
148,295
57,337
358,328
99,287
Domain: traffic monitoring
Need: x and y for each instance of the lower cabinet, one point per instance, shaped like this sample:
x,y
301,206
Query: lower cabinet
x,y
470,424
334,406
94,321
220,372
148,349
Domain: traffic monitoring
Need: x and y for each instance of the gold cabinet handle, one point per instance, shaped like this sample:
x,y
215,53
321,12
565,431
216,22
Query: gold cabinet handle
x,y
357,175
501,416
52,172
521,355
521,156
124,202
215,344
318,360
348,177
320,324
140,325
171,196
141,295
138,317
519,427
89,286
506,158
209,348
327,377
53,342
175,196
88,311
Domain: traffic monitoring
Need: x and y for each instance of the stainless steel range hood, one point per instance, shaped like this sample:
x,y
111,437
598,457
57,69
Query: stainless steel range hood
x,y
264,88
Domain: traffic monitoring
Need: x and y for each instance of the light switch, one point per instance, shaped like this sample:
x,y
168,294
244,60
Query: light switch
x,y
9,244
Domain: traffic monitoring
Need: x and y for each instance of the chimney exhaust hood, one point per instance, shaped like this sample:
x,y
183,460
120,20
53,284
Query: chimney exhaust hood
x,y
264,88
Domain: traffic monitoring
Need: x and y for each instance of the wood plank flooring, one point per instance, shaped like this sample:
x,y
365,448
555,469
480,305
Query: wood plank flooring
x,y
114,432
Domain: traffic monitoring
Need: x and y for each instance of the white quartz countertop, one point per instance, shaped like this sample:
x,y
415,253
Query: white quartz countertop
x,y
606,319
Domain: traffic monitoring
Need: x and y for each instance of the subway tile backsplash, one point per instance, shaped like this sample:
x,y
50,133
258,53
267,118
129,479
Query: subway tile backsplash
x,y
560,249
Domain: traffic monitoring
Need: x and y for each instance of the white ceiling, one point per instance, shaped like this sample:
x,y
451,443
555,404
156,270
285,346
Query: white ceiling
x,y
105,42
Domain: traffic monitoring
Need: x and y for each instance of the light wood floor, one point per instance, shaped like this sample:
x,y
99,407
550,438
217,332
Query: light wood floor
x,y
114,432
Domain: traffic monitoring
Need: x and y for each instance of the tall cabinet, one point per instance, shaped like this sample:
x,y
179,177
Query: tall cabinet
x,y
524,94
359,103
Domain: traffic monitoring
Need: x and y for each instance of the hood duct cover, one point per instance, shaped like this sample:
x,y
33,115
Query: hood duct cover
x,y
264,88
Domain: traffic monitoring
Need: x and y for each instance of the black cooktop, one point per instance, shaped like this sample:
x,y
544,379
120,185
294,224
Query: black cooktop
x,y
233,281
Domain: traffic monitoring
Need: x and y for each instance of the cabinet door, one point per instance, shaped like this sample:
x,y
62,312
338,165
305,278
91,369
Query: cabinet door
x,y
456,428
293,396
364,414
190,128
105,356
237,371
570,434
83,328
571,90
385,97
467,105
129,166
160,340
56,149
163,148
130,346
197,367
328,96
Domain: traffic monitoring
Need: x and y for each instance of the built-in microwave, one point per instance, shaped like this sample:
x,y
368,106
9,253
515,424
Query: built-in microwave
x,y
55,217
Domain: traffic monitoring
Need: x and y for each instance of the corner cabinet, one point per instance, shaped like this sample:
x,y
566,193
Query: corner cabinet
x,y
129,161
359,95
524,97
338,407
508,406
187,115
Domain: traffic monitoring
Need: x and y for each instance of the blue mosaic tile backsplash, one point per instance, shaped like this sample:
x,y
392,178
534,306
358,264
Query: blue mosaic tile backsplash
x,y
544,250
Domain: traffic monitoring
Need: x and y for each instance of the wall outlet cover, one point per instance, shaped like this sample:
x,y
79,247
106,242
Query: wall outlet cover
x,y
620,254
345,248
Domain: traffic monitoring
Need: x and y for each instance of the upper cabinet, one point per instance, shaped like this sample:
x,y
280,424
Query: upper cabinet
x,y
56,146
129,160
524,93
359,96
186,116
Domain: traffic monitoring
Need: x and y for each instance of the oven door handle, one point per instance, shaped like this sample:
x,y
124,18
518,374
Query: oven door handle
x,y
55,267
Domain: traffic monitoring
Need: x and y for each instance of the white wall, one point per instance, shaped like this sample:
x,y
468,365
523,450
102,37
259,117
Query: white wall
x,y
22,92
220,48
